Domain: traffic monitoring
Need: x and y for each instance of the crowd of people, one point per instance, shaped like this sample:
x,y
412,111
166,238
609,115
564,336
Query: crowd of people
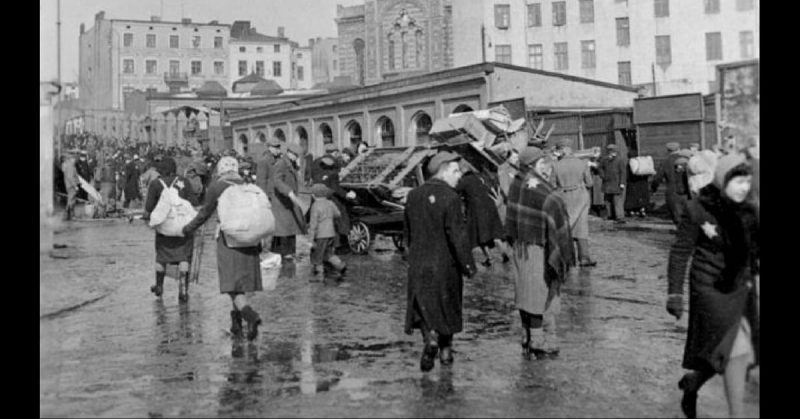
x,y
535,211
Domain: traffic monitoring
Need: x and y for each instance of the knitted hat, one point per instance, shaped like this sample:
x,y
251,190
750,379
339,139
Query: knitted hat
x,y
725,165
320,191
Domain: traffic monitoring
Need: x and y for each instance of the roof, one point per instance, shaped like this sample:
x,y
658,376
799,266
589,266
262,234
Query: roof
x,y
211,88
250,78
164,22
253,36
266,88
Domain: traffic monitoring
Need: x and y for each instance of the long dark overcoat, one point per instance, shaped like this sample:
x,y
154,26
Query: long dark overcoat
x,y
722,239
614,172
289,220
677,191
132,173
439,255
483,220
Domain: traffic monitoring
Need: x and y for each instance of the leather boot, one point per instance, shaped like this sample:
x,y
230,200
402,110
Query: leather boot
x,y
158,288
236,324
430,339
690,383
253,320
583,254
183,287
446,351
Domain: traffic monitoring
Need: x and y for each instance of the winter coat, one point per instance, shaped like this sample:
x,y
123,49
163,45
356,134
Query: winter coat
x,y
438,256
264,169
483,221
171,249
573,179
614,172
676,182
330,178
323,215
132,181
721,238
239,268
289,220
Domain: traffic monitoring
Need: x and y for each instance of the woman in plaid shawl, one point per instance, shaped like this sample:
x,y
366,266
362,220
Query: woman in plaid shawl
x,y
538,230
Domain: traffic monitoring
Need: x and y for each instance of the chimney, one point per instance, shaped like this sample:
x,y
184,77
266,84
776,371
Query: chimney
x,y
155,18
186,21
100,15
83,28
281,32
214,22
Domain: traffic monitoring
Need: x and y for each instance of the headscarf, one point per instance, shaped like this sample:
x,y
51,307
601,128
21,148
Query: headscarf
x,y
166,166
725,165
701,169
227,164
536,215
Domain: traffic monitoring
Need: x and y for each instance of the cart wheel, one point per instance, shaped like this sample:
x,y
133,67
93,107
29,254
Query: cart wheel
x,y
399,242
359,238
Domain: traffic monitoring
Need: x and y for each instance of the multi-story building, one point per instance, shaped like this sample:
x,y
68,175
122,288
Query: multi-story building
x,y
269,57
302,66
118,56
324,59
672,45
387,39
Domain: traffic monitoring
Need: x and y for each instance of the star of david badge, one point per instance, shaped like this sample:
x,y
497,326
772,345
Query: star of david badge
x,y
432,199
710,230
533,182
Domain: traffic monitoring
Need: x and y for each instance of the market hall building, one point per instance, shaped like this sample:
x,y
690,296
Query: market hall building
x,y
401,112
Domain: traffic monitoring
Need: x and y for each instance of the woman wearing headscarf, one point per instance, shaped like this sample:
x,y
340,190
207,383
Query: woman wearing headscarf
x,y
537,227
238,267
483,221
170,250
719,232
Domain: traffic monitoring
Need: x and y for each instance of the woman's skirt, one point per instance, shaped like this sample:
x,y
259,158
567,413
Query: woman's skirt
x,y
239,268
173,249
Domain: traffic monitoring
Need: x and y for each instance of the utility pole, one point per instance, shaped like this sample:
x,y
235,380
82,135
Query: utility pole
x,y
58,38
483,44
653,70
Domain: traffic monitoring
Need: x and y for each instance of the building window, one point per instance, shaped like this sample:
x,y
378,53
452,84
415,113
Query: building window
x,y
535,57
334,65
559,13
661,8
197,67
151,66
623,32
391,53
300,74
276,68
746,43
713,46
386,128
299,55
276,48
587,11
259,49
174,67
502,15
502,54
151,40
260,68
712,6
174,41
744,5
242,49
127,66
663,50
242,67
587,54
562,59
127,40
423,125
535,14
217,42
195,42
219,68
624,70
333,49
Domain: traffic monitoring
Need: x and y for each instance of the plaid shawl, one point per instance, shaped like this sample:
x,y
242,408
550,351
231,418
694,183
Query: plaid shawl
x,y
536,215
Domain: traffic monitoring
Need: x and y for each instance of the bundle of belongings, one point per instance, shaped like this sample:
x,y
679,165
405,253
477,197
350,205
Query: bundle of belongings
x,y
487,128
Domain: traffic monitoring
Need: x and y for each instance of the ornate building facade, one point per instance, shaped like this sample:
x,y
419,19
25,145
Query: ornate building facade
x,y
383,40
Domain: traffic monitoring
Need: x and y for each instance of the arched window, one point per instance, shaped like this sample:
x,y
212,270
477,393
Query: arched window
x,y
280,135
422,126
418,48
353,130
391,53
386,132
462,108
302,137
262,138
405,49
358,46
243,143
326,133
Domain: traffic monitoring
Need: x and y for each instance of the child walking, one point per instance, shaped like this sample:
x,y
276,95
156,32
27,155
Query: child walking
x,y
322,231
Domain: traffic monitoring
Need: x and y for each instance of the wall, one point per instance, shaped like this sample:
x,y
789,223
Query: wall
x,y
324,61
467,21
302,57
268,56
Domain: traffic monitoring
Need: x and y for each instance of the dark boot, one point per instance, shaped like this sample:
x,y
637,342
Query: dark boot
x,y
158,288
690,384
583,254
236,324
429,337
253,320
446,351
183,287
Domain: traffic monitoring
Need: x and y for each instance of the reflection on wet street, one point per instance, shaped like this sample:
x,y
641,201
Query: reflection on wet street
x,y
338,348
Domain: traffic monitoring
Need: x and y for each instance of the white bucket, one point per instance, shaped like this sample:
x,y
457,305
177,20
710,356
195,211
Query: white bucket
x,y
270,271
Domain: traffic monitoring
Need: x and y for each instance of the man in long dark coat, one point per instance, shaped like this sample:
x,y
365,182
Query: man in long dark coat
x,y
328,175
614,172
131,176
439,255
286,207
264,165
677,192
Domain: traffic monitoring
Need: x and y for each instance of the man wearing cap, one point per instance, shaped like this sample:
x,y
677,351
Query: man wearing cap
x,y
328,175
286,207
316,167
71,183
438,256
676,179
572,179
614,172
264,166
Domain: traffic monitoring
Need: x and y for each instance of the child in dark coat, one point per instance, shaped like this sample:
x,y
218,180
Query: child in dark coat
x,y
322,231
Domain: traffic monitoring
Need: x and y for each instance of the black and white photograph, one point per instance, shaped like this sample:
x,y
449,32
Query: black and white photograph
x,y
399,208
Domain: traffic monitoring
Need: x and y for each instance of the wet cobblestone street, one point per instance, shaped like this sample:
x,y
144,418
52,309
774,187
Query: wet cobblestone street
x,y
338,349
